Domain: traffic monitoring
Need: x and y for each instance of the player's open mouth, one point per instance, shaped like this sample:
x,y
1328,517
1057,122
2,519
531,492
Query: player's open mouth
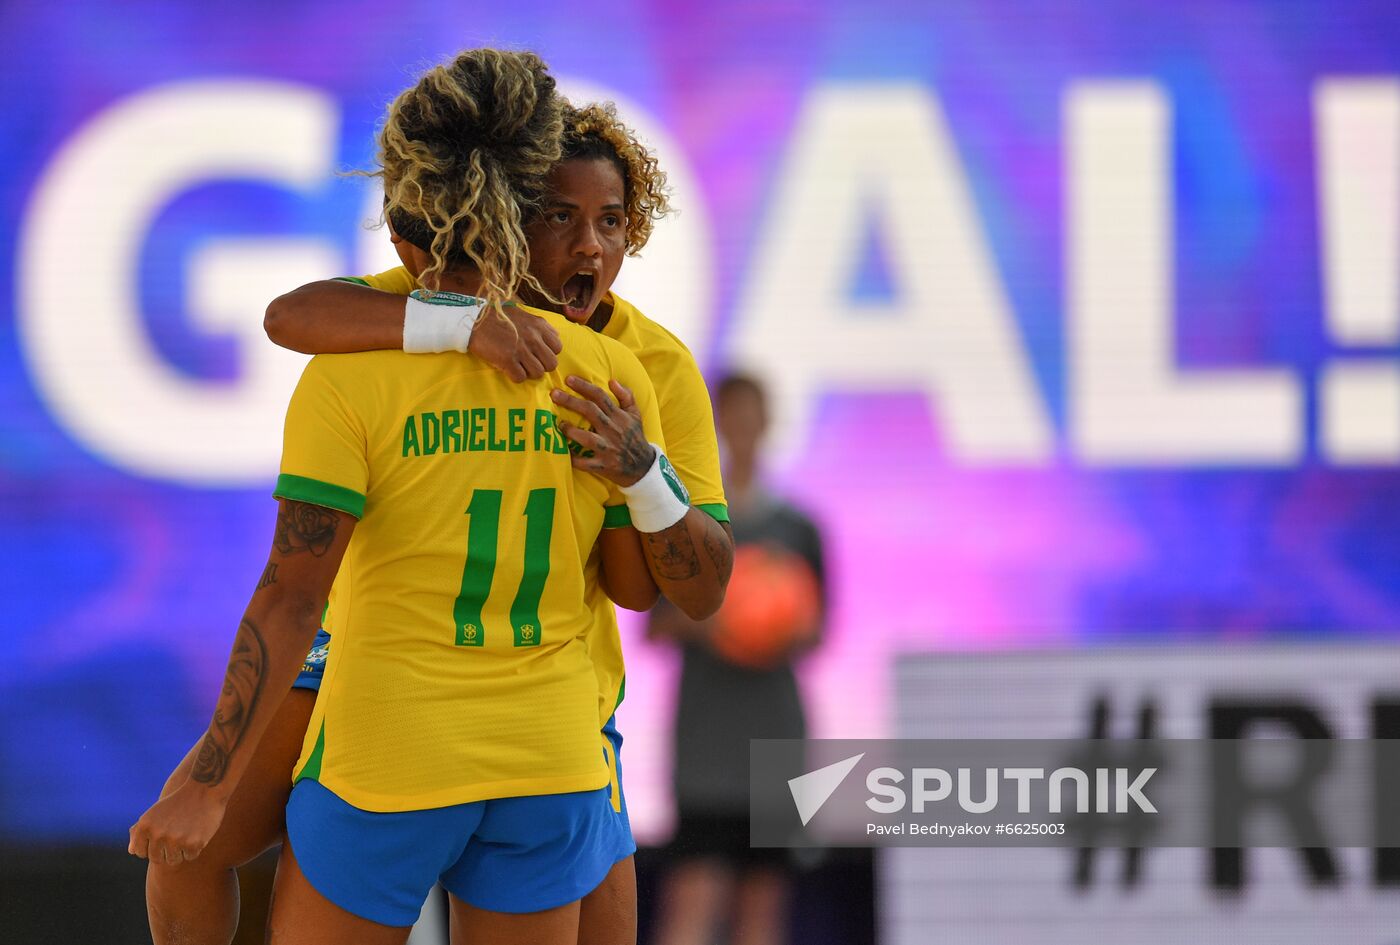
x,y
577,295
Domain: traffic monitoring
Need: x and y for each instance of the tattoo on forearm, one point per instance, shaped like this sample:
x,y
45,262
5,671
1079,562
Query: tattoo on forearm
x,y
721,555
243,683
635,453
302,526
673,552
269,576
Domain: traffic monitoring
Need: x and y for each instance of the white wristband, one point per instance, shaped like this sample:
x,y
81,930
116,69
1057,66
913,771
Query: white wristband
x,y
659,499
442,321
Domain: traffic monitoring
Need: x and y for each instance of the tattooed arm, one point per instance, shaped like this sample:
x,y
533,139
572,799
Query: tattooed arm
x,y
276,630
691,561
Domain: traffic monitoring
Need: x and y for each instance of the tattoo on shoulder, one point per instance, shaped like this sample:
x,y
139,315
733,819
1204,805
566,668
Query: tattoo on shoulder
x,y
269,576
302,526
673,550
721,554
243,684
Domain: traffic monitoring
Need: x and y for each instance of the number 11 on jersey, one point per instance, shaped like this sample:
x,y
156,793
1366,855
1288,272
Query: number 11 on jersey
x,y
483,538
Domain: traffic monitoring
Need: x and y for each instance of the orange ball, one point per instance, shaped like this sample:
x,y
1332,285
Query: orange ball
x,y
773,604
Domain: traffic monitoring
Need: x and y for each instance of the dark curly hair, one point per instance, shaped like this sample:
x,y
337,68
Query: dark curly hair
x,y
595,132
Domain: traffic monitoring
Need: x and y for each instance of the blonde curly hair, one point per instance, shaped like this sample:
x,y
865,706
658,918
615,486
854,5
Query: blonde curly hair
x,y
463,155
595,131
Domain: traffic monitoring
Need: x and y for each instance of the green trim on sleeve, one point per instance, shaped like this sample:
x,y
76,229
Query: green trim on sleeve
x,y
717,511
302,489
617,516
355,279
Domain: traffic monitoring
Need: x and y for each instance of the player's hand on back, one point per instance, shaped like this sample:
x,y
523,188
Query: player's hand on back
x,y
615,447
519,345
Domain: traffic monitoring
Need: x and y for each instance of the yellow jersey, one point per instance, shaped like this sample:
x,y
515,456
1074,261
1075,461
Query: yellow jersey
x,y
688,424
461,668
687,419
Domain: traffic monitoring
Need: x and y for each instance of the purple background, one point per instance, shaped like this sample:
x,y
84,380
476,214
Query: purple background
x,y
120,594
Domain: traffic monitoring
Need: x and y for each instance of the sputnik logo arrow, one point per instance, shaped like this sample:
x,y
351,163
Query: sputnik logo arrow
x,y
813,789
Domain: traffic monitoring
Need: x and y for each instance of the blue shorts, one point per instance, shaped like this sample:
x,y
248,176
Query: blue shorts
x,y
621,827
623,844
514,854
314,666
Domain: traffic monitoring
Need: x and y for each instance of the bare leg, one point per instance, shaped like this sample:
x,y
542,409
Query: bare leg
x,y
693,901
302,916
196,903
473,926
761,908
608,915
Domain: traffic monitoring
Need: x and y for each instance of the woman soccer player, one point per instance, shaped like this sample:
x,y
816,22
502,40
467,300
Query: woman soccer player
x,y
455,738
600,204
602,199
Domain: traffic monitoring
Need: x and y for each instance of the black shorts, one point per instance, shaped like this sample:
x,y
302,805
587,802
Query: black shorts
x,y
723,837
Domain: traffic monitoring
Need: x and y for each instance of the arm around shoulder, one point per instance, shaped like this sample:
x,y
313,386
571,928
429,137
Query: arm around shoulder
x,y
335,316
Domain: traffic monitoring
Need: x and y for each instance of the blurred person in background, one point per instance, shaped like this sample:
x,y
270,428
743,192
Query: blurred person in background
x,y
738,683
